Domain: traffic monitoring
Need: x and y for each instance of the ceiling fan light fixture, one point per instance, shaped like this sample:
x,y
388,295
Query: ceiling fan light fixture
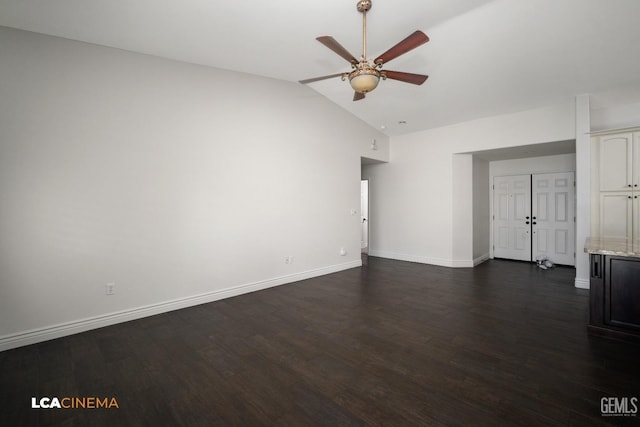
x,y
366,73
364,78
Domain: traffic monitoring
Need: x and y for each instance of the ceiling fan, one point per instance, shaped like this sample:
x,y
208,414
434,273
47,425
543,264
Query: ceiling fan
x,y
365,74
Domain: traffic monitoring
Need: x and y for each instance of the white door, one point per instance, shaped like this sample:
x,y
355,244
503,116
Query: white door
x,y
553,217
364,214
511,217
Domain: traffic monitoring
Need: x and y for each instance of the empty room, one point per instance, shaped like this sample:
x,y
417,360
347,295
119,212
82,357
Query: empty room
x,y
297,213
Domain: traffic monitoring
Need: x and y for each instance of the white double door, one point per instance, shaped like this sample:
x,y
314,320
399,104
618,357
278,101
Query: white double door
x,y
534,216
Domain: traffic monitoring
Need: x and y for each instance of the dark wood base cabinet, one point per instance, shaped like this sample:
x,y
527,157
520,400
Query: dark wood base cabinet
x,y
615,297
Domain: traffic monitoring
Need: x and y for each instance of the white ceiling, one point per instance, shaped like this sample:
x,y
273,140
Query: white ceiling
x,y
485,57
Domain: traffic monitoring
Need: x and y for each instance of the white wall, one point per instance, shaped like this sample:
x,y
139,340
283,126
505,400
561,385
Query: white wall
x,y
470,186
583,189
462,207
481,210
614,108
179,183
416,212
532,165
615,117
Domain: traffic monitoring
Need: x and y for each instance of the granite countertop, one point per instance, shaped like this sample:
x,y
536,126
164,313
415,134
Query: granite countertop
x,y
612,246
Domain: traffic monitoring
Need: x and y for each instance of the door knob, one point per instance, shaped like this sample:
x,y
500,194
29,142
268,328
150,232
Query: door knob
x,y
526,217
527,222
534,223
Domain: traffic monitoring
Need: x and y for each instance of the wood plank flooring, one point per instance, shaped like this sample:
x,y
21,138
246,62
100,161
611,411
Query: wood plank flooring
x,y
390,344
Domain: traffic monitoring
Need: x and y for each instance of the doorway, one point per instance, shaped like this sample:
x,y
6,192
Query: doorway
x,y
364,216
534,217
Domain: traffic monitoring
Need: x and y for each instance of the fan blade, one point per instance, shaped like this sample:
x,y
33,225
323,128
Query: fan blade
x,y
357,96
413,41
315,79
416,79
332,44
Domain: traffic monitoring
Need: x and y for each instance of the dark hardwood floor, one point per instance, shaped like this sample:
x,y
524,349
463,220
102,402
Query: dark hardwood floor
x,y
392,343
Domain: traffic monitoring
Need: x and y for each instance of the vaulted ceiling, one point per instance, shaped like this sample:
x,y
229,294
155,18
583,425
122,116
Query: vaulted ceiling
x,y
485,57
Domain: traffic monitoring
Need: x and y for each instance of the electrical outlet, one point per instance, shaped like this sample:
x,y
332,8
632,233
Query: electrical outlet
x,y
110,288
288,259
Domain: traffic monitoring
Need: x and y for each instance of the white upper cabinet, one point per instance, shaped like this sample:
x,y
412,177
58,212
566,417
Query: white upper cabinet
x,y
616,162
615,185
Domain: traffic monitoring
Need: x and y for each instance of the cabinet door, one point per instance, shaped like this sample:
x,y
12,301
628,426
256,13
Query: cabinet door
x,y
622,293
636,221
635,160
616,215
616,162
596,289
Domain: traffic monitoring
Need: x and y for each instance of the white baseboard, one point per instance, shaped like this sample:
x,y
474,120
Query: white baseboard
x,y
34,336
422,260
582,283
468,263
461,263
481,259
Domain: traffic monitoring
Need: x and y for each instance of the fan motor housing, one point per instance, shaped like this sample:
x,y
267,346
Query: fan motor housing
x,y
364,5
